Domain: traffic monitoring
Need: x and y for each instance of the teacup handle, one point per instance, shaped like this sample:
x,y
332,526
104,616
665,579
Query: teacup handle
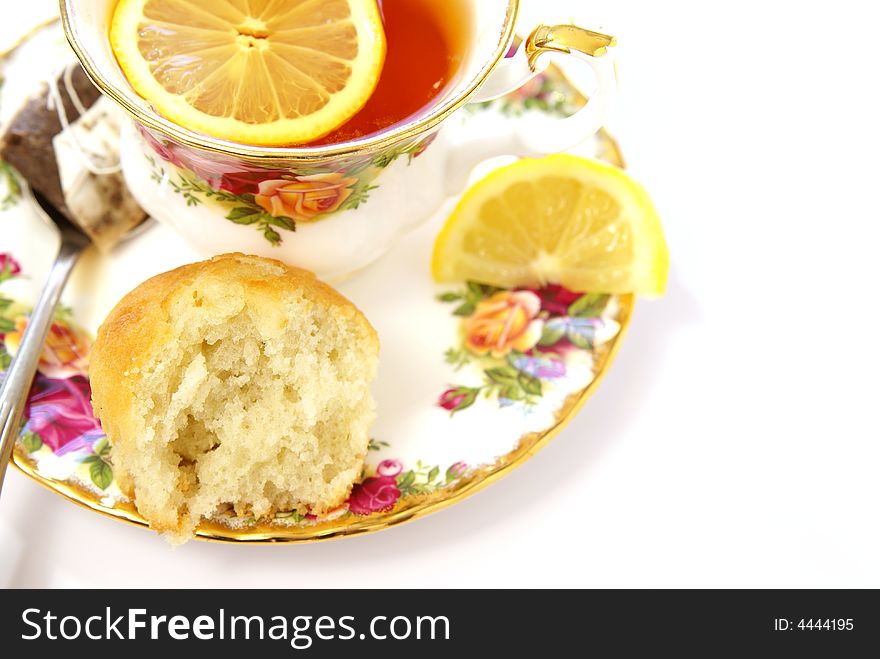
x,y
528,137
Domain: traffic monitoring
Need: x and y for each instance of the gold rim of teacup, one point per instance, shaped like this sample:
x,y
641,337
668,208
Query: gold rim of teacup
x,y
423,126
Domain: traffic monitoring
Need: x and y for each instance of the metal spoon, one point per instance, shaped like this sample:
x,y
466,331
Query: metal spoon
x,y
17,383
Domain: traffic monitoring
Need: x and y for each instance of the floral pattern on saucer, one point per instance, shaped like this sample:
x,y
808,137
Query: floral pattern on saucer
x,y
11,188
522,340
546,93
381,492
59,426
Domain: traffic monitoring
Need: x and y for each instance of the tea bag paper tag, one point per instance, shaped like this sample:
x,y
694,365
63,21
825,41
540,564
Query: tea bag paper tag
x,y
94,188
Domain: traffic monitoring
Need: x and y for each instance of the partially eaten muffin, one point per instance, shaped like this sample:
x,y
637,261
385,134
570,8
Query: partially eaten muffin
x,y
238,381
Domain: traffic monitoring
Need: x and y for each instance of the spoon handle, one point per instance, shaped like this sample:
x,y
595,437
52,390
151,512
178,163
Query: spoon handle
x,y
17,382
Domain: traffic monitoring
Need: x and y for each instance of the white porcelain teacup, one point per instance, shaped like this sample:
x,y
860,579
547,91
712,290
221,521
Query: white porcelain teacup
x,y
335,209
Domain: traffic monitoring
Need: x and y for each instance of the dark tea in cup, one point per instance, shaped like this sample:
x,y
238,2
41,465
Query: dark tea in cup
x,y
291,73
427,40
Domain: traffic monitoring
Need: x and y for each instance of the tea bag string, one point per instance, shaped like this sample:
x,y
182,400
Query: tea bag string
x,y
71,89
55,101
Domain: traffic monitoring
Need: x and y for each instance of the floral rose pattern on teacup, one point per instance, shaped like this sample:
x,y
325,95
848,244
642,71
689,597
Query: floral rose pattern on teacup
x,y
272,200
242,183
305,198
521,340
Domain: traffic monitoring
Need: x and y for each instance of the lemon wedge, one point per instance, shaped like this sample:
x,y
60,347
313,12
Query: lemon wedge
x,y
561,219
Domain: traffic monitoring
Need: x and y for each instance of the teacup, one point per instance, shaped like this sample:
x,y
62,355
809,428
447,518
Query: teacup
x,y
334,209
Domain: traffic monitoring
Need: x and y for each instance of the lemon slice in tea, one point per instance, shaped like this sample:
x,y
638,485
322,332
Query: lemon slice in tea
x,y
261,72
561,219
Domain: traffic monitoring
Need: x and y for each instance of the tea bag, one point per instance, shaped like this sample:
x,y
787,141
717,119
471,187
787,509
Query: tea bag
x,y
94,190
65,144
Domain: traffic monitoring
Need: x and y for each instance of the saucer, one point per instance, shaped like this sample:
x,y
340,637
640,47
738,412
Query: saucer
x,y
449,422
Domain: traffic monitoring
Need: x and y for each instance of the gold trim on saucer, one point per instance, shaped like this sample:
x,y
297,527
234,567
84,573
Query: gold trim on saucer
x,y
566,39
129,100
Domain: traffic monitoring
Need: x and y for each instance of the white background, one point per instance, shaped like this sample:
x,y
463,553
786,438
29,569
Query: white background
x,y
735,441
